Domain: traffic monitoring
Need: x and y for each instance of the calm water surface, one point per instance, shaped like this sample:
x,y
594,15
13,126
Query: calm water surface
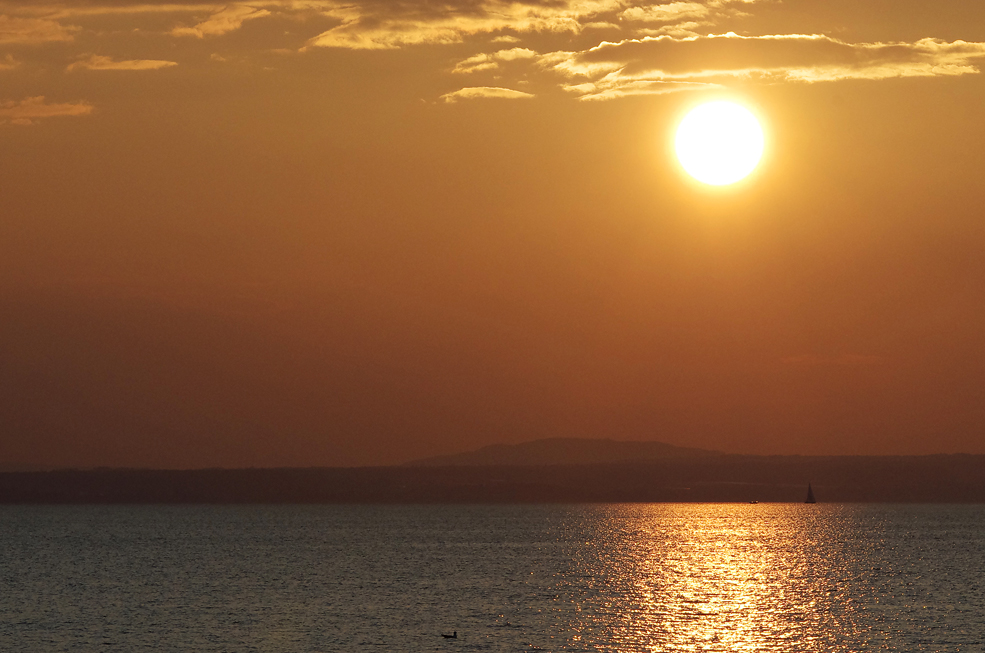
x,y
661,577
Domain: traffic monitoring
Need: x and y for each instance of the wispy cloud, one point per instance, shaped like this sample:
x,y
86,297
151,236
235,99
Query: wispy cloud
x,y
612,87
122,8
19,30
618,69
387,25
98,62
30,110
655,48
667,13
61,9
491,61
381,24
8,62
477,92
228,19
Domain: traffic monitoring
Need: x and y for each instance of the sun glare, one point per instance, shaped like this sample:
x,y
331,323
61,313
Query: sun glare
x,y
719,143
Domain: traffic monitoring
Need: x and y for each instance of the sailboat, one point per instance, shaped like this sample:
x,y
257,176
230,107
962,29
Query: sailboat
x,y
810,495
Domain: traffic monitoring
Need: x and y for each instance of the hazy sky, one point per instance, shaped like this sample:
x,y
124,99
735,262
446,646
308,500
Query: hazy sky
x,y
324,232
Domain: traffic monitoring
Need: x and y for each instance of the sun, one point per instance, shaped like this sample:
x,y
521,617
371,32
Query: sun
x,y
719,143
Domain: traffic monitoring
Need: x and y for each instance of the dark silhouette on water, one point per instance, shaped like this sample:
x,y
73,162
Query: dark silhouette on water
x,y
810,495
454,635
767,479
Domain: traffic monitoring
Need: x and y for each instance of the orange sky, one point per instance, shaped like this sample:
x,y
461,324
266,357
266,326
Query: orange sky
x,y
332,233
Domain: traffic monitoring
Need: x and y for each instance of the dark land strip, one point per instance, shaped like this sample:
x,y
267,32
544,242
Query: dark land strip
x,y
717,478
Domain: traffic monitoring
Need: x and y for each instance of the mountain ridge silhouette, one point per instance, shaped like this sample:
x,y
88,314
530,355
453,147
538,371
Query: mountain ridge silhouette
x,y
563,451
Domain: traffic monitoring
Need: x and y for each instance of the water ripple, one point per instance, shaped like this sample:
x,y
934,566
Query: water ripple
x,y
627,578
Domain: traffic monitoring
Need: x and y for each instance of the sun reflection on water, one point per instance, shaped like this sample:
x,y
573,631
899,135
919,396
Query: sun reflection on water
x,y
717,578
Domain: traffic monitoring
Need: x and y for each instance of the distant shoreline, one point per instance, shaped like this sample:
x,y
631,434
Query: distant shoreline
x,y
954,478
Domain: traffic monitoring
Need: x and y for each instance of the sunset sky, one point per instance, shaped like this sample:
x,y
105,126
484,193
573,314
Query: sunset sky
x,y
318,232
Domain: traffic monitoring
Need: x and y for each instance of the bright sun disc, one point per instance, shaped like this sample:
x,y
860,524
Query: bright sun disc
x,y
719,143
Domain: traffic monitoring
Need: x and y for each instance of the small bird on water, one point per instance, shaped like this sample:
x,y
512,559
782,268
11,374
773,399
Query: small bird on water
x,y
454,635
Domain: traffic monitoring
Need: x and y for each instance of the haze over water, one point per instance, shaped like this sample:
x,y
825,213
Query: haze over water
x,y
662,577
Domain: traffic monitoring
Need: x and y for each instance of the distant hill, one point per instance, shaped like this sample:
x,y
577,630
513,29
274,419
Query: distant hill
x,y
683,478
562,451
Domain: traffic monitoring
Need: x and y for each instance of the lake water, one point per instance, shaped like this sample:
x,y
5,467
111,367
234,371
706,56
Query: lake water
x,y
661,577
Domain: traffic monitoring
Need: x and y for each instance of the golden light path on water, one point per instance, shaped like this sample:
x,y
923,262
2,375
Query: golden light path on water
x,y
720,578
579,578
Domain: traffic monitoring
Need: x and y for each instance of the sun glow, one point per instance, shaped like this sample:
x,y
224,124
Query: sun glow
x,y
719,143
